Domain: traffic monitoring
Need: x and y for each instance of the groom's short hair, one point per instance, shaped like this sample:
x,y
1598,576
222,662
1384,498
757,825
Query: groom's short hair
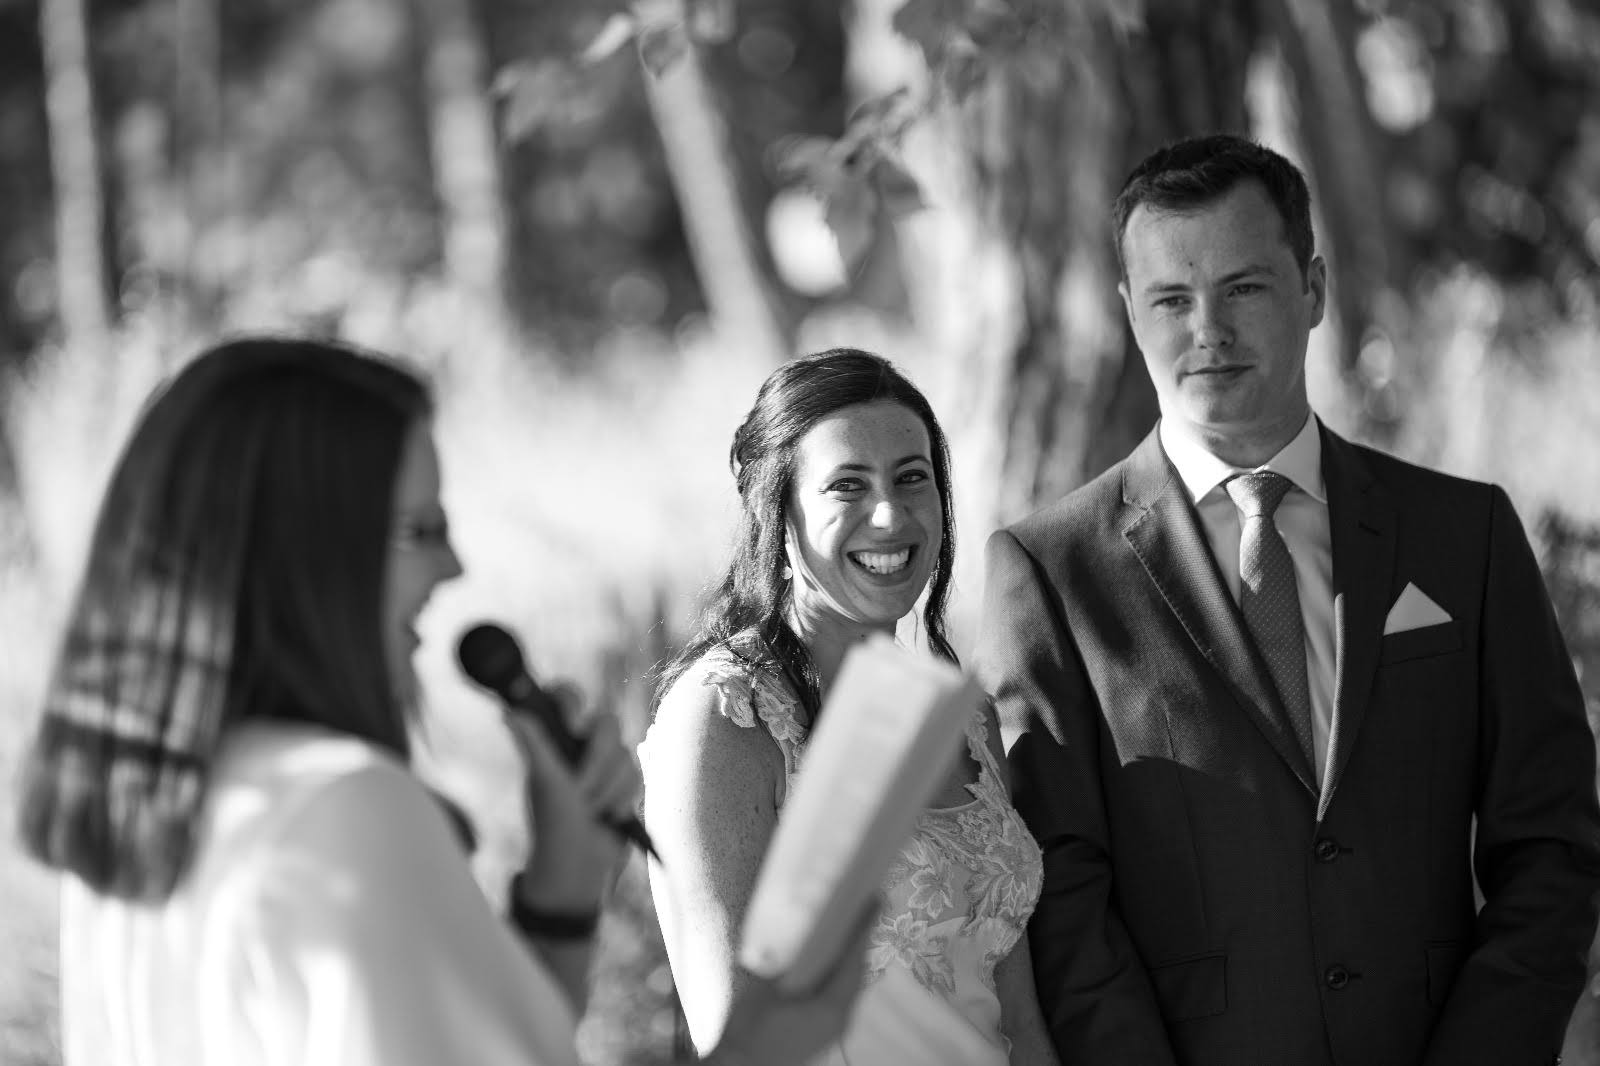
x,y
1192,173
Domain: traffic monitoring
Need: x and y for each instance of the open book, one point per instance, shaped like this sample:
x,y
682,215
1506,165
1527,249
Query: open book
x,y
885,740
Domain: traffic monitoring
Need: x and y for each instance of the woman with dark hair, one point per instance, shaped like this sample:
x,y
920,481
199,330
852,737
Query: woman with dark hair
x,y
253,876
844,480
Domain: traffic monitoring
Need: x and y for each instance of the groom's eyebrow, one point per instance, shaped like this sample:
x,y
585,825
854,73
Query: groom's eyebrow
x,y
1245,272
1156,288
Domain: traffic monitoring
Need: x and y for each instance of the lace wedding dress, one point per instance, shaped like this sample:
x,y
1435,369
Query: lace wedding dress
x,y
956,899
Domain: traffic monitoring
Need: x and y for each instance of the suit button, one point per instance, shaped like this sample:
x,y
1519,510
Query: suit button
x,y
1336,977
1327,850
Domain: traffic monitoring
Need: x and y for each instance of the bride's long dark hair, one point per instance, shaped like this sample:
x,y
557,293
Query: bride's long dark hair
x,y
747,609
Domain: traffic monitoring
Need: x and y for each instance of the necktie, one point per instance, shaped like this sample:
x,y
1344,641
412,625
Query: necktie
x,y
1270,600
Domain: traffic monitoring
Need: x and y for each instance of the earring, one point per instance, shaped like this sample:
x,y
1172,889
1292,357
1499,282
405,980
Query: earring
x,y
788,574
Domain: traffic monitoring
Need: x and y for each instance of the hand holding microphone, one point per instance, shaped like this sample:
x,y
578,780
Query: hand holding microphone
x,y
492,658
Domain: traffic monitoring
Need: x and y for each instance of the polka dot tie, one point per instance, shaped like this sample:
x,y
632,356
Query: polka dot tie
x,y
1269,598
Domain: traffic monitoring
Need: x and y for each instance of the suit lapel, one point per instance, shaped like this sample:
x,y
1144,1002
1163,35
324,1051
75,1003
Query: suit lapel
x,y
1164,532
1362,524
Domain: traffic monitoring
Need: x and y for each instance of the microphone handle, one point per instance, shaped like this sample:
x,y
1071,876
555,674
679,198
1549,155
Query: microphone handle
x,y
526,697
631,830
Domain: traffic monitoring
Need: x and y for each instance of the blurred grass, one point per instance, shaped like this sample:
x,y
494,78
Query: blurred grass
x,y
28,1024
589,506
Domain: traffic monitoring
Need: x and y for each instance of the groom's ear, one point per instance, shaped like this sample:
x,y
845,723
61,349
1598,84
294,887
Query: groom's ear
x,y
1317,288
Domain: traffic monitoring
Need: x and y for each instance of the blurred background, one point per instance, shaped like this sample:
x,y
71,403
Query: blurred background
x,y
598,225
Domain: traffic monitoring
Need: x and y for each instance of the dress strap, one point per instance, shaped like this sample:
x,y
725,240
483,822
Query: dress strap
x,y
747,695
977,732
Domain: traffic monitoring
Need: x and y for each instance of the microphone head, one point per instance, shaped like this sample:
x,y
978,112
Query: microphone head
x,y
491,656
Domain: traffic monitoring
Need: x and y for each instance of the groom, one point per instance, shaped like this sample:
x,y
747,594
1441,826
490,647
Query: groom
x,y
1273,699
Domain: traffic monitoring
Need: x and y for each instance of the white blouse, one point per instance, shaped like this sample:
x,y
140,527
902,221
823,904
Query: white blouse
x,y
329,917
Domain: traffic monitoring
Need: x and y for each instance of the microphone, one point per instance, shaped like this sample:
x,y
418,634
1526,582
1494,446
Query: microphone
x,y
491,657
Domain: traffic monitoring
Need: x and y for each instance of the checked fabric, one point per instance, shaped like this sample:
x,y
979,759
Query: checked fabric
x,y
1269,598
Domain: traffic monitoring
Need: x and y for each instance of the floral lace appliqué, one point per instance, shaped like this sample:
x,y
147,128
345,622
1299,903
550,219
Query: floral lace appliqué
x,y
970,873
748,694
909,942
980,865
931,894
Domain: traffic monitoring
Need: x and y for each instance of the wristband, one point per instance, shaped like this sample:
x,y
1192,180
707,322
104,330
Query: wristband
x,y
549,925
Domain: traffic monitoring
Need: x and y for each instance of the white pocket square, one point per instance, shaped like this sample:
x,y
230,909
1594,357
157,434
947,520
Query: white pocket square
x,y
1413,610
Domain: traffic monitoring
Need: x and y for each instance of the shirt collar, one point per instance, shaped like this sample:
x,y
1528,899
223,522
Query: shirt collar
x,y
1300,461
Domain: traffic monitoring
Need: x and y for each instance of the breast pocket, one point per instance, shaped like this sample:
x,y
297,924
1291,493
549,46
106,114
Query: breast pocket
x,y
1420,643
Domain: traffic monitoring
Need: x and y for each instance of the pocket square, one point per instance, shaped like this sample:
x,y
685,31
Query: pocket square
x,y
1413,610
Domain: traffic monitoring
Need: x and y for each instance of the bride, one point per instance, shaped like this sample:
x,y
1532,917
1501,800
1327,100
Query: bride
x,y
843,478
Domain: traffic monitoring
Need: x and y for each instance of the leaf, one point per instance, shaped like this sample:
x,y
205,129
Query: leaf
x,y
996,29
509,77
877,108
882,118
618,30
840,174
803,159
1126,17
897,190
711,21
662,45
963,72
850,211
930,24
532,94
855,156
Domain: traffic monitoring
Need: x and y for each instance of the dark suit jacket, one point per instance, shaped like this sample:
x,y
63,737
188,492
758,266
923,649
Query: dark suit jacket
x,y
1203,903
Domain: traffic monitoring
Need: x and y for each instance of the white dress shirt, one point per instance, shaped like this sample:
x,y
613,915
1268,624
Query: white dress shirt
x,y
1302,521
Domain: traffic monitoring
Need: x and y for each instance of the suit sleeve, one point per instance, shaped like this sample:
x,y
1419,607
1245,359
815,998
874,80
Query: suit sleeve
x,y
1094,990
1537,851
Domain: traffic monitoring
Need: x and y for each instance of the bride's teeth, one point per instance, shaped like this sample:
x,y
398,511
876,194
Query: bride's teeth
x,y
883,562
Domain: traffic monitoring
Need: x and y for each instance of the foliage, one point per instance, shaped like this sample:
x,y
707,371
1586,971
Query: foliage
x,y
664,30
585,456
859,175
28,1023
593,554
963,39
1493,142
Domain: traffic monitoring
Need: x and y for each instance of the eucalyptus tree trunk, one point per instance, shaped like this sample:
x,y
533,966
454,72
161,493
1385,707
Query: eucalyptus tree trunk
x,y
199,156
1344,156
82,267
1014,269
467,169
704,176
1079,396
